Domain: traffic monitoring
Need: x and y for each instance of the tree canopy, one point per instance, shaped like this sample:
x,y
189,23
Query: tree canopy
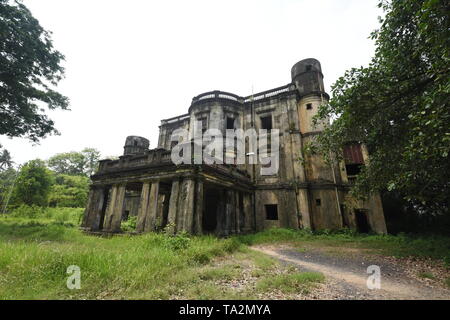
x,y
75,163
33,184
69,191
399,106
30,68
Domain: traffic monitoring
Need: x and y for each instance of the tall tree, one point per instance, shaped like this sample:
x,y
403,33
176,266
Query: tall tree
x,y
75,163
5,159
399,105
33,184
29,70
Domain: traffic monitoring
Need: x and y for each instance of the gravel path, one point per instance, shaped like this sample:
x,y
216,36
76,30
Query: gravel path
x,y
347,275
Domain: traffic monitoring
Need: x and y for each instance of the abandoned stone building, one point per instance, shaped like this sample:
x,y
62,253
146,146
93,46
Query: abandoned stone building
x,y
225,199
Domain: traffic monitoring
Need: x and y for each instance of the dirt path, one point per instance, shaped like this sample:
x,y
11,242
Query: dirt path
x,y
347,275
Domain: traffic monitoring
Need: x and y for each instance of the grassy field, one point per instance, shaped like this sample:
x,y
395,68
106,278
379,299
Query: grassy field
x,y
37,248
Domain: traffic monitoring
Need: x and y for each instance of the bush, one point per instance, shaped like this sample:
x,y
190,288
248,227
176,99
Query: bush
x,y
130,224
178,242
25,211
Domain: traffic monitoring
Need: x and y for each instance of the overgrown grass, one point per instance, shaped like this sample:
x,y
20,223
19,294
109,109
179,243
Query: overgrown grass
x,y
435,247
35,255
38,245
62,215
291,283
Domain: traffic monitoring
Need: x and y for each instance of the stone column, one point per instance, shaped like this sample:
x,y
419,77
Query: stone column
x,y
160,211
229,212
186,204
150,218
220,214
173,205
120,207
198,215
248,212
143,206
238,213
110,209
303,205
115,210
89,207
96,218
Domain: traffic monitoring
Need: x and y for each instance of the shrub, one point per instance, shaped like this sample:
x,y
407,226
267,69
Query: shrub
x,y
178,242
130,224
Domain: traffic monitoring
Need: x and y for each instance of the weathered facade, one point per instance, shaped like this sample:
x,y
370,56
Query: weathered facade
x,y
229,199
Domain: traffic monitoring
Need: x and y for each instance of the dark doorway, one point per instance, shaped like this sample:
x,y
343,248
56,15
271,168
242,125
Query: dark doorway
x,y
271,211
362,224
209,220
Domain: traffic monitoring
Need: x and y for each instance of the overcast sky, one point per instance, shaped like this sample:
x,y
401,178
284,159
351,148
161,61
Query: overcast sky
x,y
131,63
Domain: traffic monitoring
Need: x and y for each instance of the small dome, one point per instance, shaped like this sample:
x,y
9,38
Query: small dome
x,y
305,65
135,145
307,76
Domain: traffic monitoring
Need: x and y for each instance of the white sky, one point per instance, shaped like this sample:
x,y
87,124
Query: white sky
x,y
131,63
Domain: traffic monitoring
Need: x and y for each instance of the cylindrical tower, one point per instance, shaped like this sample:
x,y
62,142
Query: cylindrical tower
x,y
323,202
308,79
307,76
135,145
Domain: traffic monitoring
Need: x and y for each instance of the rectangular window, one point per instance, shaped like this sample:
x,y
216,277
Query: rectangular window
x,y
271,211
318,202
266,122
230,123
308,106
353,158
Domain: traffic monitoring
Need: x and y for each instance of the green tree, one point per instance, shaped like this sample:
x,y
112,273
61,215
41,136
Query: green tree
x,y
33,184
69,191
75,163
5,159
29,68
399,106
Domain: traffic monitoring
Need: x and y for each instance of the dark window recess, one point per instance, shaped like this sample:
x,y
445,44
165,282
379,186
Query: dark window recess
x,y
230,123
271,211
318,202
266,122
135,143
308,67
309,106
353,169
173,144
